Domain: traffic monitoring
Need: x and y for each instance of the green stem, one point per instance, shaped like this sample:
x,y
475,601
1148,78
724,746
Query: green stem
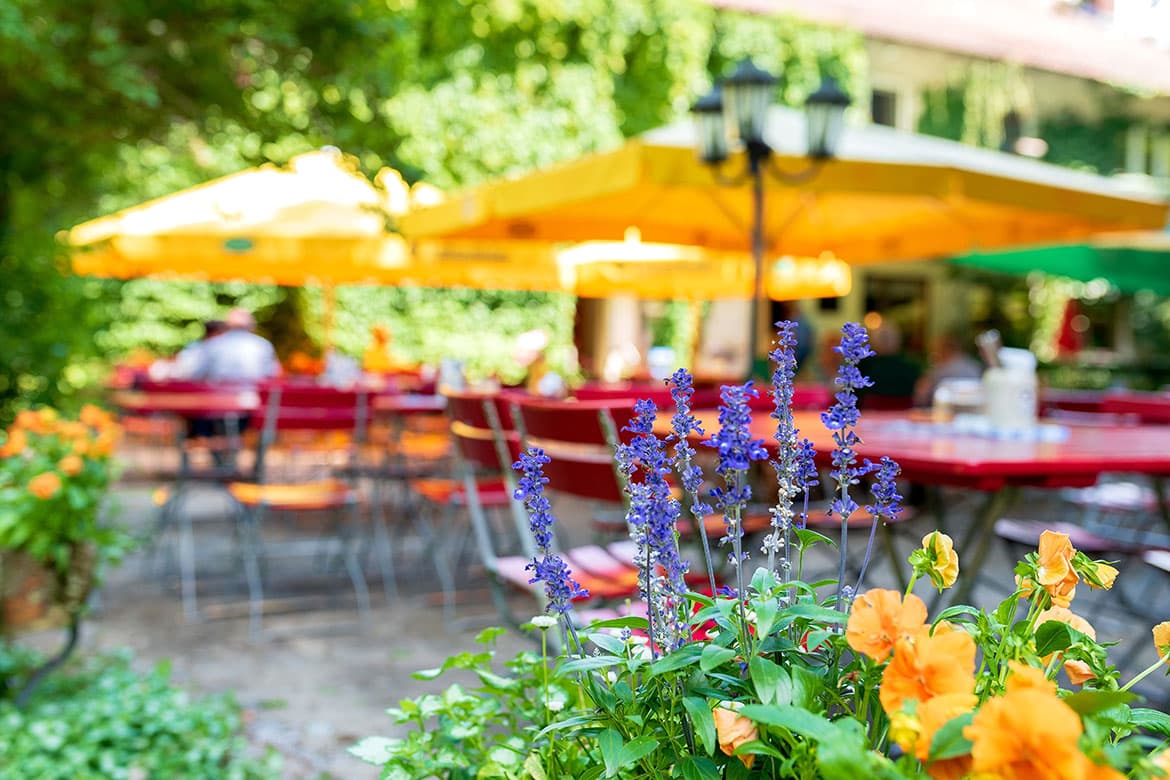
x,y
1147,672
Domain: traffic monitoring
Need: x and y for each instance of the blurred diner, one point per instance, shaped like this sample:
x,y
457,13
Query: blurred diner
x,y
238,355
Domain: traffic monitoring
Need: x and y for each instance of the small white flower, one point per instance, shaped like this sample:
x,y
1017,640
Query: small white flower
x,y
611,676
556,705
544,622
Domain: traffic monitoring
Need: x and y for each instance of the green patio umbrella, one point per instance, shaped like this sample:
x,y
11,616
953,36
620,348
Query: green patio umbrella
x,y
1130,262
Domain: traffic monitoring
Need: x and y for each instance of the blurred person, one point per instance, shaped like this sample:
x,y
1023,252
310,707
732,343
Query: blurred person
x,y
531,352
379,358
189,358
947,361
892,373
237,355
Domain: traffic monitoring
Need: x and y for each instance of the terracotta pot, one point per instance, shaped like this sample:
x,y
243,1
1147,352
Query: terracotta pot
x,y
32,598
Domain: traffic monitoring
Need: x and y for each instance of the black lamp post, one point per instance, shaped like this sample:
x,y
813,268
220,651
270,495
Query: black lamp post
x,y
737,108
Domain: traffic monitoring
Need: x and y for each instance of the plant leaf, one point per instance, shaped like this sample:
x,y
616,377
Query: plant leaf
x,y
636,748
588,663
611,751
949,741
1089,702
702,720
773,684
713,656
1150,720
676,660
794,719
1053,636
630,621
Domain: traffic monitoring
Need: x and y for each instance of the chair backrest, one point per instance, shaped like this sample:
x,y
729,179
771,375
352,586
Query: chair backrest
x,y
579,440
1151,408
312,408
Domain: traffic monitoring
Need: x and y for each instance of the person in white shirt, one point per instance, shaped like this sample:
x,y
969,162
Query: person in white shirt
x,y
237,356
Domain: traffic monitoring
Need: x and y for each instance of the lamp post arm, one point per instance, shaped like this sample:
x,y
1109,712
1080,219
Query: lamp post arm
x,y
794,178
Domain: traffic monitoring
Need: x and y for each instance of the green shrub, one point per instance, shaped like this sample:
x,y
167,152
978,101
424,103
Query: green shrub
x,y
101,719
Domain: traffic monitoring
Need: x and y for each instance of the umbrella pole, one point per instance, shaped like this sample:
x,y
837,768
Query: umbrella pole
x,y
758,260
329,299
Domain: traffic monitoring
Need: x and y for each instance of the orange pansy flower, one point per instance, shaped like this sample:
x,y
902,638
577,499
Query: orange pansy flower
x,y
1022,677
879,617
15,444
1105,573
1162,639
45,486
1054,568
943,567
932,716
1078,671
1026,734
94,416
926,665
71,465
734,730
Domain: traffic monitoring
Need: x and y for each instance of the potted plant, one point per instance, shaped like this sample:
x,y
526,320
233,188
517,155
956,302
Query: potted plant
x,y
770,676
55,473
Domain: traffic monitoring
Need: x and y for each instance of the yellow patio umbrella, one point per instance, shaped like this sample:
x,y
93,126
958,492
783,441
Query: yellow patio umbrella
x,y
316,221
888,195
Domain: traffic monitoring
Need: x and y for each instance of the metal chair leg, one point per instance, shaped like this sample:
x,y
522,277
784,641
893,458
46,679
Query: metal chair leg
x,y
187,568
383,547
442,565
354,567
251,540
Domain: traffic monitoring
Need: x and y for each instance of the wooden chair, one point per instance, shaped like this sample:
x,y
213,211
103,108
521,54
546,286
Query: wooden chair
x,y
307,435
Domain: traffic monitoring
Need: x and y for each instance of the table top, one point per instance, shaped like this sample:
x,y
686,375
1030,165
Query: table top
x,y
408,403
986,463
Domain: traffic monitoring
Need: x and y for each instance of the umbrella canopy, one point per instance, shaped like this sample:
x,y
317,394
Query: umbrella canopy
x,y
317,221
1130,262
888,195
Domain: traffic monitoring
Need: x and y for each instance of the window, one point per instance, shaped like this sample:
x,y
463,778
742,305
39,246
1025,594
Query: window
x,y
883,108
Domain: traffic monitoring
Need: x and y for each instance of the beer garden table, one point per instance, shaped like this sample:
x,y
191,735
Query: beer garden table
x,y
998,468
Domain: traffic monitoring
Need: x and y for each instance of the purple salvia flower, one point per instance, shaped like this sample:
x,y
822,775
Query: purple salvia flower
x,y
786,466
549,568
840,419
737,449
682,425
653,515
807,475
886,506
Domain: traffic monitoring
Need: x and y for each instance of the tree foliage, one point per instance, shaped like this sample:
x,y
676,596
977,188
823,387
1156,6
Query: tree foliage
x,y
104,105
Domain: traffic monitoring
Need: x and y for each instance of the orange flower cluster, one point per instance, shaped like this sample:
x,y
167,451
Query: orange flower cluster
x,y
932,674
1059,567
94,434
1054,570
1029,733
45,486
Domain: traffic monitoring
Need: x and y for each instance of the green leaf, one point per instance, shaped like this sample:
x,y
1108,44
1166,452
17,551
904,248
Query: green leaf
x,y
637,748
697,768
757,748
588,663
805,686
765,616
534,768
949,741
677,660
1150,720
773,684
807,537
798,721
1090,701
817,613
1053,636
568,723
375,750
493,680
702,720
611,743
608,642
630,621
715,655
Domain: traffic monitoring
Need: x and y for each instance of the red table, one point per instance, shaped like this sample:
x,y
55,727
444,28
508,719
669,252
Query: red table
x,y
995,466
